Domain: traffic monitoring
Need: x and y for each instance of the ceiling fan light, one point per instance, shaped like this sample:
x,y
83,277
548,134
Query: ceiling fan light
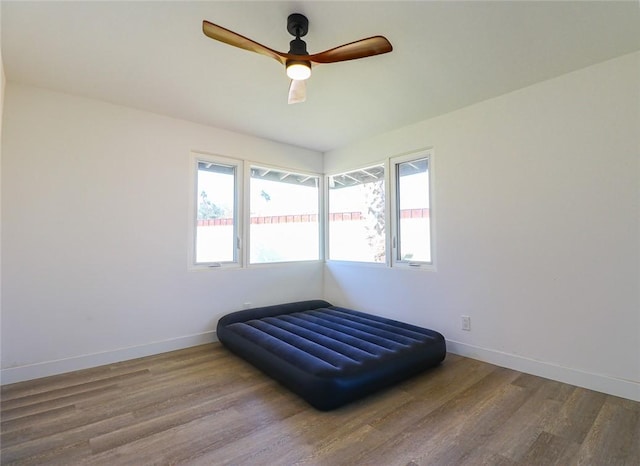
x,y
298,70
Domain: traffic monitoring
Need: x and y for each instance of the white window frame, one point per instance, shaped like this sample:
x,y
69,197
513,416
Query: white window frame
x,y
394,212
327,233
238,216
247,209
242,211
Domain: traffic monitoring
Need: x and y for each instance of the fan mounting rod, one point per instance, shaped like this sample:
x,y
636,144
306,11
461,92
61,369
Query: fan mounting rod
x,y
298,68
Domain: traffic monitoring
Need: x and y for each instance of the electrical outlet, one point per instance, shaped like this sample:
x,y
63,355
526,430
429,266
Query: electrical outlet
x,y
466,323
246,305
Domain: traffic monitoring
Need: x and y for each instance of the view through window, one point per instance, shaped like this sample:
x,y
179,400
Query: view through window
x,y
412,212
357,215
284,223
216,229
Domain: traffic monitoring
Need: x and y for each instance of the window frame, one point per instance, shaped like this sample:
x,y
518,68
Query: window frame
x,y
238,217
242,211
327,233
247,209
394,240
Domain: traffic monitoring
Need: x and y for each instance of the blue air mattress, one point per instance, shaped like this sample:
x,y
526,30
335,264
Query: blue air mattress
x,y
329,355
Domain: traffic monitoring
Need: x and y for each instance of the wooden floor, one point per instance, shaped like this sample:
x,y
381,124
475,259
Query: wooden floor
x,y
203,406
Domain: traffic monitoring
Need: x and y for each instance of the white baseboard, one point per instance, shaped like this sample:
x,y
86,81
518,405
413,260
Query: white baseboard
x,y
601,383
60,366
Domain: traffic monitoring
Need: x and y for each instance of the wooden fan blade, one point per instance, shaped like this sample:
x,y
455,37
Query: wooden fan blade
x,y
232,38
297,91
359,49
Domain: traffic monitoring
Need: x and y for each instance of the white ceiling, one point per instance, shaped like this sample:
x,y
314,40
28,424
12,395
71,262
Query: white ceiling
x,y
153,56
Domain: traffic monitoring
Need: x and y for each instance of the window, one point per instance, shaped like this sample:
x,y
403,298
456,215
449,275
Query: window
x,y
412,220
217,211
379,214
357,215
284,218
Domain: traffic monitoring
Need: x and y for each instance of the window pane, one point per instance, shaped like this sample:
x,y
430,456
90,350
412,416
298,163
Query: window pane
x,y
284,216
215,231
357,215
414,229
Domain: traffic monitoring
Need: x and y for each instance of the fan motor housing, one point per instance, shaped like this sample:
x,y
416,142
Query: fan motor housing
x,y
298,47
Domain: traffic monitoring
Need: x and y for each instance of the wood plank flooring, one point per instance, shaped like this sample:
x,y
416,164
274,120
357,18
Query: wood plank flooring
x,y
204,406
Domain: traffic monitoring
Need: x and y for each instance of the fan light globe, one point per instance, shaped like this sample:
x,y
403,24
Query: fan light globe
x,y
298,71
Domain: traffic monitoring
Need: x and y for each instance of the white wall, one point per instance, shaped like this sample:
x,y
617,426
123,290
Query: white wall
x,y
537,229
95,234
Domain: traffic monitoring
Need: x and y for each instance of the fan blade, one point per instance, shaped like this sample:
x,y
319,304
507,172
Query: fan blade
x,y
297,91
229,37
359,49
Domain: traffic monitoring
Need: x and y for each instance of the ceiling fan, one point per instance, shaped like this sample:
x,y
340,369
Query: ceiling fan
x,y
298,61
